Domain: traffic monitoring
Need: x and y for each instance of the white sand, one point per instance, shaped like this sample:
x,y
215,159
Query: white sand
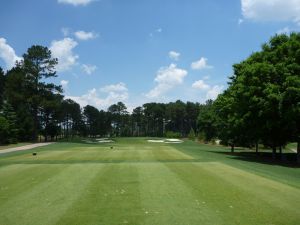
x,y
156,141
105,141
168,141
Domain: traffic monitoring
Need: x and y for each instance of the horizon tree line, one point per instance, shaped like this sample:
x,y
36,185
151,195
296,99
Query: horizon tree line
x,y
260,106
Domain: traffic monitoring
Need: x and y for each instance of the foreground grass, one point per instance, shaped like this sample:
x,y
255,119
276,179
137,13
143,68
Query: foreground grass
x,y
144,183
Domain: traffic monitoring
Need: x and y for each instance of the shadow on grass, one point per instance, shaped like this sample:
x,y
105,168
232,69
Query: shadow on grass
x,y
285,159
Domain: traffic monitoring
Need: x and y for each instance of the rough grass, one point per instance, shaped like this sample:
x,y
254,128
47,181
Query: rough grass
x,y
138,182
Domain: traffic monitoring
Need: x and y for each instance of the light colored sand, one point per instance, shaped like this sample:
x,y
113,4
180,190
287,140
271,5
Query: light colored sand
x,y
168,141
105,141
294,150
26,147
156,141
173,140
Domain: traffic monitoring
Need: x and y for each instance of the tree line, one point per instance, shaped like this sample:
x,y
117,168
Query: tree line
x,y
31,108
262,102
260,106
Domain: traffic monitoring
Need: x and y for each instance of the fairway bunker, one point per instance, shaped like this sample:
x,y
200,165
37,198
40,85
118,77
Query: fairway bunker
x,y
98,140
104,140
168,141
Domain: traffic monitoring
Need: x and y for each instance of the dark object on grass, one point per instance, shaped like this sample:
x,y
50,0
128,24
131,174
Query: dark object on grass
x,y
111,147
34,153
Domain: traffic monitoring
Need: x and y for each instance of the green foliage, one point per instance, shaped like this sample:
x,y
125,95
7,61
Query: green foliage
x,y
4,130
192,135
207,121
2,85
10,116
172,134
262,101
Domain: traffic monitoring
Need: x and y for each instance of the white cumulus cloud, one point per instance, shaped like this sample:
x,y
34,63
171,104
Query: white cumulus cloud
x,y
200,64
63,51
84,36
214,91
201,85
271,10
88,69
174,55
8,54
119,87
113,94
64,84
65,31
285,30
75,2
167,78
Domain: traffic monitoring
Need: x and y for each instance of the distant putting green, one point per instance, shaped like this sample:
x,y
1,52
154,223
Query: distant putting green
x,y
137,183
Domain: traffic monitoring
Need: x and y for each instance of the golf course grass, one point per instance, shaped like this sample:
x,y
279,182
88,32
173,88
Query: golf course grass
x,y
137,182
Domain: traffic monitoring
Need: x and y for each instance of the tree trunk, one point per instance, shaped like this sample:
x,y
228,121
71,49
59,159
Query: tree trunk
x,y
298,152
274,153
280,150
256,148
280,153
232,148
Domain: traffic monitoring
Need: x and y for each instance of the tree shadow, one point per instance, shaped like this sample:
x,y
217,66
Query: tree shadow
x,y
285,159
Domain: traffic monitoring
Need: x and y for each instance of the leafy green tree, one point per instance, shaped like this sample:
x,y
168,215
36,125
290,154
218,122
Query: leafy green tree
x,y
192,134
4,130
192,112
17,95
91,115
9,114
262,101
138,119
119,116
2,84
38,65
207,121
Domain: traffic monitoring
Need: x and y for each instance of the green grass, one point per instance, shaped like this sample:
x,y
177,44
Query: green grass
x,y
144,183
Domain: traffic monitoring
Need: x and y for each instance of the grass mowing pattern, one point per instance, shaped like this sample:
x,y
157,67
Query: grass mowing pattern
x,y
144,183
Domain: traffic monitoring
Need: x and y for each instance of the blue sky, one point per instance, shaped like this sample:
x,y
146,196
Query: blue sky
x,y
139,51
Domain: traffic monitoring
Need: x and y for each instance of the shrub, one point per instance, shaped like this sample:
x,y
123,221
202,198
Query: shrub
x,y
192,135
172,134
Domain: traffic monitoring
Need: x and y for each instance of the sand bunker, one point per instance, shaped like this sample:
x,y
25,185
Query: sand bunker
x,y
98,140
168,141
104,140
156,141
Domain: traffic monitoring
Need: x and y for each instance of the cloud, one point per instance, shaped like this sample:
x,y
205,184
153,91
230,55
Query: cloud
x,y
214,91
64,84
114,93
166,79
206,77
84,36
75,2
285,30
240,21
63,51
201,85
65,31
120,87
174,55
88,69
271,10
159,30
201,64
8,54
